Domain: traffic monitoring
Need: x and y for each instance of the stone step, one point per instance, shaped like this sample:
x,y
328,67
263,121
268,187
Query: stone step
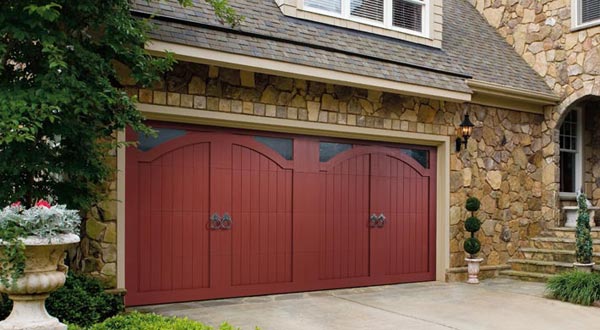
x,y
564,232
540,266
559,243
552,255
526,276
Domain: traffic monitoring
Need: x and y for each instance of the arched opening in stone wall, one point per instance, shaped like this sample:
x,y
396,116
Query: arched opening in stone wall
x,y
579,154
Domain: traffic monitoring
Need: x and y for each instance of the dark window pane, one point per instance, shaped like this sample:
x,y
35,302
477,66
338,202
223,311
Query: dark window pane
x,y
371,9
421,156
407,15
590,10
284,147
329,150
147,142
567,172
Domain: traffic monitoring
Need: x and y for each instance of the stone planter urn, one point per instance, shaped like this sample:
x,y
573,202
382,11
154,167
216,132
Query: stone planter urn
x,y
586,268
45,272
473,270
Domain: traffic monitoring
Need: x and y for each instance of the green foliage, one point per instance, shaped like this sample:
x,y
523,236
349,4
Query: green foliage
x,y
60,96
584,248
575,287
5,306
472,246
12,258
135,321
82,302
473,204
472,224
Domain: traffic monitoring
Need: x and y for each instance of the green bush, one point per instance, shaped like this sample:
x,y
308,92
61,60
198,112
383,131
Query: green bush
x,y
472,224
135,321
473,204
583,238
82,301
472,246
575,287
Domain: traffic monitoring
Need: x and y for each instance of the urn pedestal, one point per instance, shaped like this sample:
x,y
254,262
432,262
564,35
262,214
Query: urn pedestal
x,y
45,272
473,270
586,268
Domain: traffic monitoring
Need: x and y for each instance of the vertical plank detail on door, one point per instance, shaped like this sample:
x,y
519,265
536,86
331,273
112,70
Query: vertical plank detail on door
x,y
408,219
173,208
343,220
262,215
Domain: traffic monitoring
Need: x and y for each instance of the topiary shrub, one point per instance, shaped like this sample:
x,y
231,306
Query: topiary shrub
x,y
82,301
473,204
472,224
575,287
136,321
583,238
472,245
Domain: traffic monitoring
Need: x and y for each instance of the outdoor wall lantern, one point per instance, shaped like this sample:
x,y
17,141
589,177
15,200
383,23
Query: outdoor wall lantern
x,y
464,132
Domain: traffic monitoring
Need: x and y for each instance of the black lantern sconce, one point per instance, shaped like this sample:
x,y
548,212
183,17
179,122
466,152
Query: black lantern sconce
x,y
464,133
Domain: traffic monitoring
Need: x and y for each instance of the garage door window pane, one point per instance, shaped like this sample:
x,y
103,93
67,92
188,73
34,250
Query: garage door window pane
x,y
329,150
147,142
421,156
284,147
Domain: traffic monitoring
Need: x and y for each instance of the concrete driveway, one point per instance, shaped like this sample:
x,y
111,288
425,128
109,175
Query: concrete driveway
x,y
494,304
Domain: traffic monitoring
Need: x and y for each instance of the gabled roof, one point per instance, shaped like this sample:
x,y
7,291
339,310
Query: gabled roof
x,y
471,48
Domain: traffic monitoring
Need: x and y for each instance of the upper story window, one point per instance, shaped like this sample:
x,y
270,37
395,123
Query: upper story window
x,y
404,15
585,13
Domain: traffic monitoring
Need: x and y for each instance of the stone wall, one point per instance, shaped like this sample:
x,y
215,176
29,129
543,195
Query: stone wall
x,y
97,253
503,164
540,31
568,60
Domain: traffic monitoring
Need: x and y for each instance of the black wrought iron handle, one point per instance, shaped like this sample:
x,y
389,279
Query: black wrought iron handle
x,y
381,220
215,222
226,222
373,220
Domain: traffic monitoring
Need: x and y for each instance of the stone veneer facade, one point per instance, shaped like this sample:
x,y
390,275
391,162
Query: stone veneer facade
x,y
505,164
568,59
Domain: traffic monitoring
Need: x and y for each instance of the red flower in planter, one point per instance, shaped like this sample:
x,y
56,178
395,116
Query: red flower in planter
x,y
42,203
16,204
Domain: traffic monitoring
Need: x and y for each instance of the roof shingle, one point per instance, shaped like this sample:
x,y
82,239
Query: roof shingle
x,y
470,48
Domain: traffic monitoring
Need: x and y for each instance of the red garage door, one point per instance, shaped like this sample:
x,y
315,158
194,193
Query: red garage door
x,y
213,213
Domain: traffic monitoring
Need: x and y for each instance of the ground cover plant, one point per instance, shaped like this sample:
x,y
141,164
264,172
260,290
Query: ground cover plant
x,y
575,287
136,321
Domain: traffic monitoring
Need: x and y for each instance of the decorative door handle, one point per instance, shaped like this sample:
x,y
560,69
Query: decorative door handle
x,y
373,220
381,220
215,222
226,221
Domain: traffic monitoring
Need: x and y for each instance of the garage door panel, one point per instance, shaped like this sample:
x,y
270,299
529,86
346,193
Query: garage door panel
x,y
170,226
403,195
262,213
344,213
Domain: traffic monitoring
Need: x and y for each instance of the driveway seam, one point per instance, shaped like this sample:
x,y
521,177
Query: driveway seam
x,y
396,313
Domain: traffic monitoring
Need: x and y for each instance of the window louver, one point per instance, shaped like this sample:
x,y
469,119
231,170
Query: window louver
x,y
408,15
370,9
327,5
590,10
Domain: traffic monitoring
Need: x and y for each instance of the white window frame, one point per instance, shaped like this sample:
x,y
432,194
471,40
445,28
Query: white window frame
x,y
387,16
576,23
578,157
